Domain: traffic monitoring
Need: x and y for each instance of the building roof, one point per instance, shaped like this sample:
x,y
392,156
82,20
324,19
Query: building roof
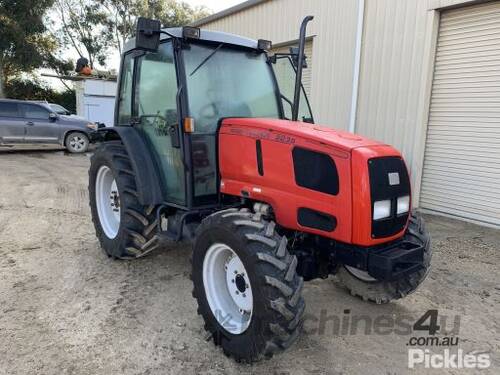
x,y
226,12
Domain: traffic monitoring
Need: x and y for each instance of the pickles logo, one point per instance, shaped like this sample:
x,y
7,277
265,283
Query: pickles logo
x,y
448,359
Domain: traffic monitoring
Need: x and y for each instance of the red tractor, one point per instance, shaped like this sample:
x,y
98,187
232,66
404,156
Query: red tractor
x,y
208,148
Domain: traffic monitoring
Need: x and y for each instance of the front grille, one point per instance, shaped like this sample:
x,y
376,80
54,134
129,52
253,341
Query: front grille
x,y
383,186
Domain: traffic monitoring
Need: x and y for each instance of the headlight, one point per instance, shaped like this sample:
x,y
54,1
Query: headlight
x,y
92,126
403,204
381,209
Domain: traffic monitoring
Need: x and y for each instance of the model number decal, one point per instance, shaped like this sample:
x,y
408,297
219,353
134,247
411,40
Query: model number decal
x,y
277,137
283,138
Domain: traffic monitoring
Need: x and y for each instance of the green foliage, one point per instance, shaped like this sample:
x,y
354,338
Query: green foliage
x,y
35,90
122,15
24,43
84,27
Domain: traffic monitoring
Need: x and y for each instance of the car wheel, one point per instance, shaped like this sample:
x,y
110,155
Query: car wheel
x,y
77,142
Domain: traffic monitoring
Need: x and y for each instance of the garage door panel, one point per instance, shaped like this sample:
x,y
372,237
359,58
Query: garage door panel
x,y
488,23
472,197
461,174
458,171
478,12
463,186
466,119
463,157
464,212
468,40
457,50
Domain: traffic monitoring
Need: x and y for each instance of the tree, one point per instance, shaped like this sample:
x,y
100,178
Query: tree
x,y
24,42
33,89
122,15
84,27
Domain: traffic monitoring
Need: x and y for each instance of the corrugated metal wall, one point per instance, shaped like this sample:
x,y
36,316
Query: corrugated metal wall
x,y
334,27
394,70
397,60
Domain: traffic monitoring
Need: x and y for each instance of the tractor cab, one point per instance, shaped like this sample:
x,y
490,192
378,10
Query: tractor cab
x,y
177,84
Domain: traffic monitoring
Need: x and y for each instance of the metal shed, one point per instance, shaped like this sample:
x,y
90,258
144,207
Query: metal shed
x,y
422,75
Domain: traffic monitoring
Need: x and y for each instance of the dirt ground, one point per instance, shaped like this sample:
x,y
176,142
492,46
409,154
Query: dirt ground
x,y
66,308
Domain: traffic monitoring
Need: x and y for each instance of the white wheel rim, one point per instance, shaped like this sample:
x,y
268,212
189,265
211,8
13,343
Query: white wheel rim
x,y
228,288
362,275
107,201
77,143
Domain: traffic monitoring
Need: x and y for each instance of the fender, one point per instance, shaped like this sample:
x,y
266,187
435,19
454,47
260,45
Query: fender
x,y
145,170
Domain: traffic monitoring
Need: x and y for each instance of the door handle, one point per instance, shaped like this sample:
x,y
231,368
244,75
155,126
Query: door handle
x,y
30,123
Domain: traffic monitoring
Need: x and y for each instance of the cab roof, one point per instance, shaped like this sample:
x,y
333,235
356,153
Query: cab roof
x,y
207,35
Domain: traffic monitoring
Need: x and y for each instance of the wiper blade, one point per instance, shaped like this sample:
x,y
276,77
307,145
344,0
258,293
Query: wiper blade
x,y
206,59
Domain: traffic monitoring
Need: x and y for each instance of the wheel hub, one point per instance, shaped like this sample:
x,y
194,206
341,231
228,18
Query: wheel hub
x,y
227,288
107,202
238,284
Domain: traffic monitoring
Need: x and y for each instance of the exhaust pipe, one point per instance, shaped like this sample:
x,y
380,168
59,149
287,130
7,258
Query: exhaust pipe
x,y
300,63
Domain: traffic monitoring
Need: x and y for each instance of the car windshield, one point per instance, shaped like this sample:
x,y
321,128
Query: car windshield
x,y
228,82
58,109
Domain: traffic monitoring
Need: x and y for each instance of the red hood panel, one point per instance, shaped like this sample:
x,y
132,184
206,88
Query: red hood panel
x,y
338,138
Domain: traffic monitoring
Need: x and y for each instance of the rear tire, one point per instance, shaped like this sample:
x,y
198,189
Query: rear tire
x,y
277,305
135,233
77,142
364,286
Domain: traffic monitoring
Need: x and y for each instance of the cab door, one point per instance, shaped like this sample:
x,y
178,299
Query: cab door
x,y
156,116
285,73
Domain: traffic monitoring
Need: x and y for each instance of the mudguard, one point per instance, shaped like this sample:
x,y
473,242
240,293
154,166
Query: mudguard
x,y
145,169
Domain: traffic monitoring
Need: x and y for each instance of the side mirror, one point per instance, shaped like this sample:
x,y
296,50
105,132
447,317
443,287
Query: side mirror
x,y
53,116
147,36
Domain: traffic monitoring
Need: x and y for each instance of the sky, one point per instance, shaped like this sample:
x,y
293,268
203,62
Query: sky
x,y
215,5
114,61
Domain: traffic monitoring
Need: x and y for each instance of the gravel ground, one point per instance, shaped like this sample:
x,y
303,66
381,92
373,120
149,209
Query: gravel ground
x,y
66,308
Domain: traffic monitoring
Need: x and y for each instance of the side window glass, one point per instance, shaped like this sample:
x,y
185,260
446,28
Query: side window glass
x,y
285,75
125,96
8,109
35,112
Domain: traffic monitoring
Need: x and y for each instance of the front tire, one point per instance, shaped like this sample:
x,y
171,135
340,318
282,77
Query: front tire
x,y
360,284
125,228
77,142
261,267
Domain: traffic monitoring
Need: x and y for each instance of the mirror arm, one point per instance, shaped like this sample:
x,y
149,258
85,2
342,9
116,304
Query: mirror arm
x,y
300,62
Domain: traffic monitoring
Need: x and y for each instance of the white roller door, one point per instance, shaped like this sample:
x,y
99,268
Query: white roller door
x,y
306,73
461,174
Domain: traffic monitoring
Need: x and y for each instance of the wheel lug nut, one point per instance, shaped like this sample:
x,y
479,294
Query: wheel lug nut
x,y
235,272
244,295
237,292
232,280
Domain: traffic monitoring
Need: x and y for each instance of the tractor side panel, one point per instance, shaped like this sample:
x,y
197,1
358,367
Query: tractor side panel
x,y
272,179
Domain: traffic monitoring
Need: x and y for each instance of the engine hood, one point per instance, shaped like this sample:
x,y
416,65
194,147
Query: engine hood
x,y
326,135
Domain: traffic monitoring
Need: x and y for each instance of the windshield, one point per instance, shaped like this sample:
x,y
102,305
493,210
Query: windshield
x,y
228,82
58,109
